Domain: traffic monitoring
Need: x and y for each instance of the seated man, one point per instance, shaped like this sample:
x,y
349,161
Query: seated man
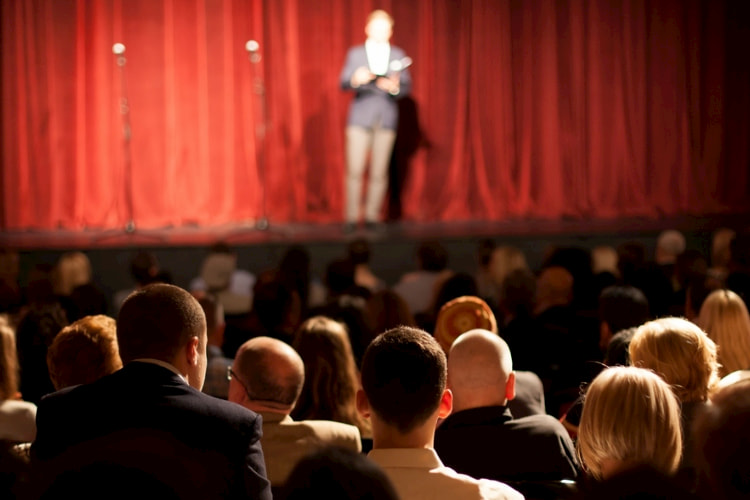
x,y
404,393
216,383
481,437
267,378
148,424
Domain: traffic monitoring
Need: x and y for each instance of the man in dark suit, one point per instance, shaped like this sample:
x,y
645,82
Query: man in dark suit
x,y
377,74
148,425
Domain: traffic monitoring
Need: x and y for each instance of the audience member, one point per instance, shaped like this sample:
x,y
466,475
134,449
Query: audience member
x,y
451,287
620,307
670,244
404,393
471,439
36,331
338,474
489,291
684,356
331,376
294,270
386,310
358,253
722,438
145,270
10,290
84,351
17,417
220,277
630,417
638,272
417,288
216,383
518,326
149,421
721,242
725,319
267,378
72,283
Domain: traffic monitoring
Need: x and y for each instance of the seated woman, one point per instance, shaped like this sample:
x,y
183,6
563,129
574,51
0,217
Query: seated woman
x,y
684,356
630,418
17,417
331,376
725,319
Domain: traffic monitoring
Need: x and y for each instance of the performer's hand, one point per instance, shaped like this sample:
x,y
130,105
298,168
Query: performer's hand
x,y
361,76
390,84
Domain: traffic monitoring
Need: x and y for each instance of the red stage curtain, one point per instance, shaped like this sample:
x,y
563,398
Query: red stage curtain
x,y
525,108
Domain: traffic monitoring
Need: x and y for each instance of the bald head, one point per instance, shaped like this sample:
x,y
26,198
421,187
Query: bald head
x,y
480,371
272,374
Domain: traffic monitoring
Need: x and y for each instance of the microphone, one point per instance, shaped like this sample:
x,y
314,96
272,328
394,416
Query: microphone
x,y
400,64
118,49
252,47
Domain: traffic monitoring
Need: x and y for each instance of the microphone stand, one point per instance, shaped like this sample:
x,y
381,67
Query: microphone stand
x,y
259,89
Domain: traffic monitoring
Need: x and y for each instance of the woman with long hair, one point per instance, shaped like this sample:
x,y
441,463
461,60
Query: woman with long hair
x,y
725,319
17,417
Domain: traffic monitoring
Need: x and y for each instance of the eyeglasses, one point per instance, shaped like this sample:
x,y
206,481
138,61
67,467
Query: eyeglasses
x,y
231,375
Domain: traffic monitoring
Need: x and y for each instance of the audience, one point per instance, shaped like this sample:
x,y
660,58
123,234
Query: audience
x,y
418,287
725,319
331,376
267,377
150,417
17,417
404,393
482,437
145,270
386,310
219,276
630,417
359,255
84,351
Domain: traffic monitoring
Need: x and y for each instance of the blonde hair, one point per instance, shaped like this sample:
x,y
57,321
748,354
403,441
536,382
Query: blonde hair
x,y
681,353
630,416
331,376
83,352
73,269
8,361
725,319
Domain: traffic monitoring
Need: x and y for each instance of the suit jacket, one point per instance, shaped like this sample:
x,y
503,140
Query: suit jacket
x,y
286,442
144,421
489,442
372,106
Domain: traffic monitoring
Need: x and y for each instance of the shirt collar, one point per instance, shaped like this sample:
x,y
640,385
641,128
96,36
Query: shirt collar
x,y
163,364
412,458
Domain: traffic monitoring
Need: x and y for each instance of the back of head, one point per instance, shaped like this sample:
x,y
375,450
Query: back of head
x,y
386,309
271,371
276,304
432,256
506,259
479,365
623,307
669,245
461,315
330,372
725,319
83,352
554,287
340,276
517,293
630,417
458,285
722,438
404,373
359,251
338,474
73,269
144,267
157,321
679,352
618,349
484,252
214,312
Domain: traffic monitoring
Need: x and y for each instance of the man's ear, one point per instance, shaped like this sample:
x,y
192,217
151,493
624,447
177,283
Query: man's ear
x,y
510,387
363,405
446,404
192,351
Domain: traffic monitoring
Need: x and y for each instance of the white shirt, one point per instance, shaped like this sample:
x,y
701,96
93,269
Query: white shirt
x,y
378,56
418,473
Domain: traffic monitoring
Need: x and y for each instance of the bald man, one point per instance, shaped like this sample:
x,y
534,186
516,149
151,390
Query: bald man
x,y
267,378
481,438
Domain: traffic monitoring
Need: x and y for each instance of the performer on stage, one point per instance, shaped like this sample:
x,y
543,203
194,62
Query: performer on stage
x,y
376,72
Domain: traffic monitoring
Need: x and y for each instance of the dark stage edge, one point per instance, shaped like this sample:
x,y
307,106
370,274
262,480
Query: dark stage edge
x,y
181,250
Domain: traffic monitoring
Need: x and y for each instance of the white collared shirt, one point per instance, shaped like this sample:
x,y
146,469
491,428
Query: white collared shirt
x,y
378,56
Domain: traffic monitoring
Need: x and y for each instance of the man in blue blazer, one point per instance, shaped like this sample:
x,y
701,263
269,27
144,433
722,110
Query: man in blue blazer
x,y
377,73
148,426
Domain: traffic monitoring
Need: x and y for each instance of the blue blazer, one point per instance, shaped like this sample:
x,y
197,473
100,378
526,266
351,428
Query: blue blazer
x,y
372,105
146,419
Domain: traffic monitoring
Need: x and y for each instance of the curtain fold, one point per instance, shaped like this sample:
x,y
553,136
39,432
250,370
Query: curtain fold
x,y
519,109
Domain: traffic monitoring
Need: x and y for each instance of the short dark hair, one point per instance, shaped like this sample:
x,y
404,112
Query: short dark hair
x,y
623,307
359,251
404,376
432,256
156,321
